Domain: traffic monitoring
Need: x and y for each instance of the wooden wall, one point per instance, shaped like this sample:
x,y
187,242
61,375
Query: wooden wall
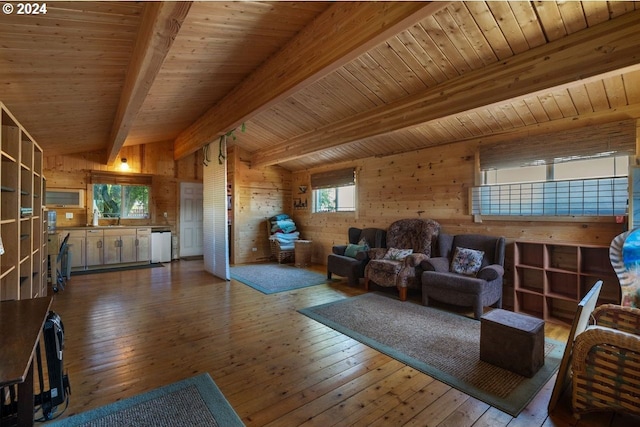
x,y
430,183
257,195
74,171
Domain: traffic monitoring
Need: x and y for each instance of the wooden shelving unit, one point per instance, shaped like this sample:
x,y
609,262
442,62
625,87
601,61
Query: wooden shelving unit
x,y
551,278
22,228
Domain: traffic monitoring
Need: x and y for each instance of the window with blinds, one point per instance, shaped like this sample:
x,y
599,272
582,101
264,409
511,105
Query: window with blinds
x,y
334,191
580,172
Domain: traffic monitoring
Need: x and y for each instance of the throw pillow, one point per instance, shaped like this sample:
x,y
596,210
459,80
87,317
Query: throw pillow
x,y
466,261
352,250
397,254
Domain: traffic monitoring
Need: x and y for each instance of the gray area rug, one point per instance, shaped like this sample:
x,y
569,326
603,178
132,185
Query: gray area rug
x,y
192,402
272,278
441,344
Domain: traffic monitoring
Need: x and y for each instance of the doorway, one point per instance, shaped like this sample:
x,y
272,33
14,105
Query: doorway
x,y
191,219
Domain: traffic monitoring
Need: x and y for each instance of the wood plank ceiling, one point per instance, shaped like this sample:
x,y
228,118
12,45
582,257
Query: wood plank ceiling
x,y
316,82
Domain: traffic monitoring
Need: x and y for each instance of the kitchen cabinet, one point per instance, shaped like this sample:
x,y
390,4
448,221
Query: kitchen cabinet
x,y
102,247
95,247
119,245
77,241
143,244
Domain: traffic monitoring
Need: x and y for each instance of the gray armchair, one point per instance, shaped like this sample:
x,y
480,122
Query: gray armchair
x,y
473,278
350,261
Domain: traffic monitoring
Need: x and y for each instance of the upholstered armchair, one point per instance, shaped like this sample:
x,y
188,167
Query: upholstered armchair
x,y
468,272
409,242
606,362
350,260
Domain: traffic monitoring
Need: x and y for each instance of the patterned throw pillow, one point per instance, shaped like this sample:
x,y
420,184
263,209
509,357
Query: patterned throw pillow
x,y
397,254
466,261
352,250
363,242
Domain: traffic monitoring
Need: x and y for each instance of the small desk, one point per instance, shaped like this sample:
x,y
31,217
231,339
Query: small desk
x,y
21,322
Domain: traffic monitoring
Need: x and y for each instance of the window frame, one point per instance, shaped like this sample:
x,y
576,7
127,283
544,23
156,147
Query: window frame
x,y
336,209
333,180
523,193
122,215
112,178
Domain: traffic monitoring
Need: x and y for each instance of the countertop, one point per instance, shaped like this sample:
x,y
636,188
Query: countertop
x,y
108,227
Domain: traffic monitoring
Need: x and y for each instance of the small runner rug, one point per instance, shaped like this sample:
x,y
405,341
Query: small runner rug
x,y
441,344
192,402
111,270
273,278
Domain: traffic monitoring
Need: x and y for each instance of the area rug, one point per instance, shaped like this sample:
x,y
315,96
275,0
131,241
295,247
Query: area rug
x,y
273,278
111,270
192,402
441,344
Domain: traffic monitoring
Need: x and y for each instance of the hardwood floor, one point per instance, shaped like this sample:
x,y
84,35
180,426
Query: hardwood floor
x,y
133,331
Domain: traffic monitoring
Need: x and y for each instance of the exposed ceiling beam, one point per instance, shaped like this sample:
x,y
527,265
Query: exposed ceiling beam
x,y
563,63
340,34
159,26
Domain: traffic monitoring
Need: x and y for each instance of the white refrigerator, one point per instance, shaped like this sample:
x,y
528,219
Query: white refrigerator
x,y
161,246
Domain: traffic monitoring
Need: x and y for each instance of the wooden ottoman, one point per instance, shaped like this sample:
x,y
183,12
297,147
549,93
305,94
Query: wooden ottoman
x,y
512,341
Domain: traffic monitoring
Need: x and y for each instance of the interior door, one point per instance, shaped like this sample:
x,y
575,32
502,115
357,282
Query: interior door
x,y
191,231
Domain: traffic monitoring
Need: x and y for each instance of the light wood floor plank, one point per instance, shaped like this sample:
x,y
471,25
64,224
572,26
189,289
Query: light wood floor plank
x,y
130,332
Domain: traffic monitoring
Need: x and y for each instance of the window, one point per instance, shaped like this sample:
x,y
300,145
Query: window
x,y
337,199
576,172
587,187
121,201
334,191
121,196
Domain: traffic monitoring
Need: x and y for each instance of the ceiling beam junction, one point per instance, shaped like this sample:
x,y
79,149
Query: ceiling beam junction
x,y
161,22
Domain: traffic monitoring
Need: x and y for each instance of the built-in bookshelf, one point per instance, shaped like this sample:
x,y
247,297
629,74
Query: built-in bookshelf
x,y
22,228
551,278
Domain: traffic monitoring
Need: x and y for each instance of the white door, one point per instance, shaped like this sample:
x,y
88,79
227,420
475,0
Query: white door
x,y
190,219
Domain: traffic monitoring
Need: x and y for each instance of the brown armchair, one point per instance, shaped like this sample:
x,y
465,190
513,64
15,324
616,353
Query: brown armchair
x,y
606,362
395,266
462,285
351,265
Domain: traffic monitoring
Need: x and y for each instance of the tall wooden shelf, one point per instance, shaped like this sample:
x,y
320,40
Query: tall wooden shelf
x,y
22,229
551,278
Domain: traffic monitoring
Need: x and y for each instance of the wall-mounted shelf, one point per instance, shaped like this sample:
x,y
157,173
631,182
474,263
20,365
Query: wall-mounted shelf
x,y
550,278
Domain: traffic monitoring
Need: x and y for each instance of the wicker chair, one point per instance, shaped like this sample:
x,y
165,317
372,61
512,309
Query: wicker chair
x,y
606,362
281,251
